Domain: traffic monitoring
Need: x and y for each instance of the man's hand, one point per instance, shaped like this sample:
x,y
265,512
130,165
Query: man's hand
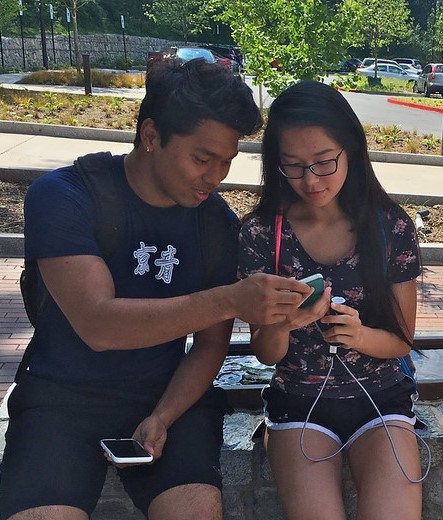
x,y
266,299
152,433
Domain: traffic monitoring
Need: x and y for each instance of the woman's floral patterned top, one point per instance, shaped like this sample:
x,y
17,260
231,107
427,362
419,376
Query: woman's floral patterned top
x,y
304,368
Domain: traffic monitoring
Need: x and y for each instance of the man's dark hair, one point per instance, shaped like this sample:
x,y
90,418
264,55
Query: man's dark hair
x,y
180,97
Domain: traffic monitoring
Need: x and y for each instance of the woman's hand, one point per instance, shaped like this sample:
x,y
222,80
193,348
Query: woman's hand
x,y
346,327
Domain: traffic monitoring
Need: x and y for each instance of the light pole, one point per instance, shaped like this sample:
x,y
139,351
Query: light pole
x,y
51,16
43,34
1,51
20,12
68,21
122,23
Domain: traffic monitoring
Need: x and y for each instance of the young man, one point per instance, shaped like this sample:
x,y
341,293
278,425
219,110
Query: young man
x,y
108,357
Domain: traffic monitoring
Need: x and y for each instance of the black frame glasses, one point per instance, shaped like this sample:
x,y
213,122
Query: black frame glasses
x,y
297,171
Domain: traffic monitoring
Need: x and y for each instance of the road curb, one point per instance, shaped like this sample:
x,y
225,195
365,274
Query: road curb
x,y
410,104
65,131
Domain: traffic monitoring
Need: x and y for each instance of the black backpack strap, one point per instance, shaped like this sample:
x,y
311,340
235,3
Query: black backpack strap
x,y
105,186
219,232
104,183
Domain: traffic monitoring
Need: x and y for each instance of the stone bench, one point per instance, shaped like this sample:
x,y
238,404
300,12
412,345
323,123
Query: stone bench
x,y
249,492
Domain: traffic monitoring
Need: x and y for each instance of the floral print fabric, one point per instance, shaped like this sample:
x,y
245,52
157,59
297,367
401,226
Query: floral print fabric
x,y
304,368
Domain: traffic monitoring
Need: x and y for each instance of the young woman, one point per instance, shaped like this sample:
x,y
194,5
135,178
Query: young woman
x,y
322,210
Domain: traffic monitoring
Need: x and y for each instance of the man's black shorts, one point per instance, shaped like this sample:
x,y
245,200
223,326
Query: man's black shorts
x,y
53,453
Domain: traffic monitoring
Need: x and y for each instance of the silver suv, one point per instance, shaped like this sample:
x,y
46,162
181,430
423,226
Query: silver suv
x,y
367,62
410,61
430,81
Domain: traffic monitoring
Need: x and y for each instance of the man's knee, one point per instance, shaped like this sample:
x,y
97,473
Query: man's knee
x,y
51,513
188,502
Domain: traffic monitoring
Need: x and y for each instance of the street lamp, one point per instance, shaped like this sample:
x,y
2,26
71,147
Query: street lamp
x,y
122,23
20,5
51,16
68,22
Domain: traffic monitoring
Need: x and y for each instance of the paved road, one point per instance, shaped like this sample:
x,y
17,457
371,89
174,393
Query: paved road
x,y
375,110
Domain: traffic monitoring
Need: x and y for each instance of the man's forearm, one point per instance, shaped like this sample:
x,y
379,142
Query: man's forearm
x,y
120,323
190,381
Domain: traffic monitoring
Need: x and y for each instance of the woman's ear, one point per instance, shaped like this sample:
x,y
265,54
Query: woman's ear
x,y
148,135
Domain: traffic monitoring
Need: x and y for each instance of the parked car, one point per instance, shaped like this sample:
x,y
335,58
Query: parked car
x,y
409,68
388,70
430,81
409,61
228,51
367,62
357,61
344,66
181,54
232,65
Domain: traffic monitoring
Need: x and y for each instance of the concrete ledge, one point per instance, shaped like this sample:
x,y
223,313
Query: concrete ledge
x,y
12,246
73,132
408,158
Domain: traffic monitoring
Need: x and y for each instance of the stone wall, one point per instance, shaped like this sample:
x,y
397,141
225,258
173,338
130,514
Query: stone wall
x,y
100,47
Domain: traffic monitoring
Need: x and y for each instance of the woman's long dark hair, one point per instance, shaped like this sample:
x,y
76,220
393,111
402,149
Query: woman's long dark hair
x,y
362,198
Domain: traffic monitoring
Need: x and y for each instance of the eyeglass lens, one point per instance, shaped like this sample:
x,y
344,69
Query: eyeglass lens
x,y
295,171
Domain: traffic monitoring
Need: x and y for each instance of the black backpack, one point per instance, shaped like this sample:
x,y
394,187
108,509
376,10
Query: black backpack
x,y
105,184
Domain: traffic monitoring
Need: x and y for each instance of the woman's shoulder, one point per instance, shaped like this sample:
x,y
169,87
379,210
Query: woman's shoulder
x,y
397,221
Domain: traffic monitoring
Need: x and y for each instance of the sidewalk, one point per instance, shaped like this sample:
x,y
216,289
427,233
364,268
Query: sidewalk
x,y
19,151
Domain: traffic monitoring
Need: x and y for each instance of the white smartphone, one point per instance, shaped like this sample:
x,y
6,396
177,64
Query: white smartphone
x,y
126,451
315,280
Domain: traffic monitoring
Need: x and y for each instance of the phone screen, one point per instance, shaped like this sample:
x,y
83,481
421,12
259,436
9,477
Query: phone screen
x,y
125,449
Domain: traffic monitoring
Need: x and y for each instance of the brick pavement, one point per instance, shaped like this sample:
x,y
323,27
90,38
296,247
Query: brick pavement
x,y
16,331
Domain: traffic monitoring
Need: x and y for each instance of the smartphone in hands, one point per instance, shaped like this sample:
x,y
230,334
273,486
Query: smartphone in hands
x,y
126,451
317,282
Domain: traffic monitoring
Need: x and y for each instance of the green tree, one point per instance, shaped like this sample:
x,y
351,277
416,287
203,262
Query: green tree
x,y
8,14
185,17
379,22
436,29
303,37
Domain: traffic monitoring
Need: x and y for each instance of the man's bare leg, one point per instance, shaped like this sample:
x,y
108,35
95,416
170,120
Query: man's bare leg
x,y
51,513
188,502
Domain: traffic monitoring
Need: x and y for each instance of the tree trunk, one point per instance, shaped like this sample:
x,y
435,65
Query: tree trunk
x,y
77,56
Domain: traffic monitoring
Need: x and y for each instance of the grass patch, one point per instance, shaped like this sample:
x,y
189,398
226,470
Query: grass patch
x,y
356,81
389,85
69,109
70,76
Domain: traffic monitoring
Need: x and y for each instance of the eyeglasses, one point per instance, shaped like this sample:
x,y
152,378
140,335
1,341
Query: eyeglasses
x,y
320,168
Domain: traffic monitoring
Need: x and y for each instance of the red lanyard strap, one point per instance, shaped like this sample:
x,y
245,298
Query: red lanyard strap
x,y
278,225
